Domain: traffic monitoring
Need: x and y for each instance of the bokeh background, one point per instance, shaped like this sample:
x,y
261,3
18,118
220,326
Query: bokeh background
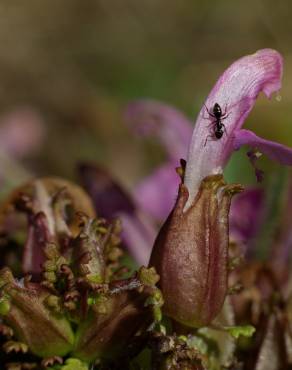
x,y
68,68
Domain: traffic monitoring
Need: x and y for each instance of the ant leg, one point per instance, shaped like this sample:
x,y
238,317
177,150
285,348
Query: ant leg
x,y
207,139
224,117
224,128
207,109
210,114
211,124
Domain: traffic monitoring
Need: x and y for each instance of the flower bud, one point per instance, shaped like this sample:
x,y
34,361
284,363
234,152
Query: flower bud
x,y
45,333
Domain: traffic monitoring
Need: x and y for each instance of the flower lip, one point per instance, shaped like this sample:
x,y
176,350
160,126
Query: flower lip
x,y
235,92
277,152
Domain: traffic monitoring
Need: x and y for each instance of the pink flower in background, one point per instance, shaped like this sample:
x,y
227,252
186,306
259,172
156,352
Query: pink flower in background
x,y
156,193
246,214
21,132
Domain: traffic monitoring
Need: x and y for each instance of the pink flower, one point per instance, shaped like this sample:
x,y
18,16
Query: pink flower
x,y
191,251
236,92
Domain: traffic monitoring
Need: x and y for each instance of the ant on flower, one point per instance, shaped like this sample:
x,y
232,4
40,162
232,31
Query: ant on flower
x,y
219,127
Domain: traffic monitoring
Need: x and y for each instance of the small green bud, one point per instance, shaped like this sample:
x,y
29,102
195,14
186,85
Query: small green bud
x,y
148,276
4,306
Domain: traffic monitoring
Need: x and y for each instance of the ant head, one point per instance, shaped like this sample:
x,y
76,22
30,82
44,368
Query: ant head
x,y
217,109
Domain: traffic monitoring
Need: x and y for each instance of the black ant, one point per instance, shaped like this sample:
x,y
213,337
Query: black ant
x,y
219,127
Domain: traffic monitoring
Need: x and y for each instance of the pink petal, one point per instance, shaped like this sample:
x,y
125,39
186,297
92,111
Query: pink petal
x,y
235,92
157,193
138,234
277,152
151,118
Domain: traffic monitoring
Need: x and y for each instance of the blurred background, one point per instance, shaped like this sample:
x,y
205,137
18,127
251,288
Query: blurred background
x,y
68,68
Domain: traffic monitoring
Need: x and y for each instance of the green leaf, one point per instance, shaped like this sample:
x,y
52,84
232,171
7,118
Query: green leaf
x,y
236,331
71,364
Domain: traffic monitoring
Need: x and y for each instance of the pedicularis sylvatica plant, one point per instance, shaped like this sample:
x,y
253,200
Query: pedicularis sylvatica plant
x,y
199,296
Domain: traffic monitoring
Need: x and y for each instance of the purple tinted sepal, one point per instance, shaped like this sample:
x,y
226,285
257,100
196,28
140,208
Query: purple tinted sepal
x,y
191,253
